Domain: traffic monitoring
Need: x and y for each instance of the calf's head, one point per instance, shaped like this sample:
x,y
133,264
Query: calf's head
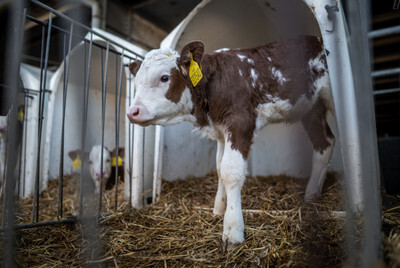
x,y
95,164
162,85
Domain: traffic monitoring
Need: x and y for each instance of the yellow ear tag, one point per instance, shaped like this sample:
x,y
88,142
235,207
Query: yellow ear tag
x,y
114,161
135,88
21,115
194,71
77,163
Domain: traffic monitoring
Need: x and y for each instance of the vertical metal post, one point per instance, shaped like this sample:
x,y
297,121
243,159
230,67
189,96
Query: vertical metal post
x,y
358,21
130,143
13,52
84,121
25,129
67,59
117,116
103,107
43,84
158,155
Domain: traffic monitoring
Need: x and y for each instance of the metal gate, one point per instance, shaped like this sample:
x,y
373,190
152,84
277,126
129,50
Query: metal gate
x,y
28,112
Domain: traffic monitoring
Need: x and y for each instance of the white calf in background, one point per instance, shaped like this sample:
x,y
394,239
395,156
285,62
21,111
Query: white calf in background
x,y
94,159
111,162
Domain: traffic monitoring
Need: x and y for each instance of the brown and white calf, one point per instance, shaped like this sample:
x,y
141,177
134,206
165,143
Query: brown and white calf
x,y
241,91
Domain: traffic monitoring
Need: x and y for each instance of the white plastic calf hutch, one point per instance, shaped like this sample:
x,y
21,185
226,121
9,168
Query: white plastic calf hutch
x,y
278,149
30,77
74,104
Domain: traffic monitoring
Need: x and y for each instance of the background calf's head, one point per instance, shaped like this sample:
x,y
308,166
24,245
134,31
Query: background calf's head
x,y
94,159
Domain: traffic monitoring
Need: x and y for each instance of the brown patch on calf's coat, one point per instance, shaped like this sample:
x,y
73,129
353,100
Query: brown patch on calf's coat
x,y
317,128
241,129
176,86
229,99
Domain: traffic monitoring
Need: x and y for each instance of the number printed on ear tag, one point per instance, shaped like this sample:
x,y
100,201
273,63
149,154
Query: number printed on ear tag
x,y
194,71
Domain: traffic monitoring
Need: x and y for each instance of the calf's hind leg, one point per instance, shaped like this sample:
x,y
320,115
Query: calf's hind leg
x,y
323,141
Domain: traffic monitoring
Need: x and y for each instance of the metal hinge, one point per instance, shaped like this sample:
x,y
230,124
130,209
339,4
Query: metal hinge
x,y
331,15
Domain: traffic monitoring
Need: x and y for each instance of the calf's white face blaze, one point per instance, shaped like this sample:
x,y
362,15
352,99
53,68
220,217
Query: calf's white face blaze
x,y
95,165
156,75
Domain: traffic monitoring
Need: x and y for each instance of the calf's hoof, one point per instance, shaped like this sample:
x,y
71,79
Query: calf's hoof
x,y
309,197
227,246
230,240
218,212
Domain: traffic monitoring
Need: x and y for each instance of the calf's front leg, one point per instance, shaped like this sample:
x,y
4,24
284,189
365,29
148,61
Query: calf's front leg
x,y
233,170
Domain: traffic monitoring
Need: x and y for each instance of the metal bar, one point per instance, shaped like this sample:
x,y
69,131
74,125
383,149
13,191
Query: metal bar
x,y
67,58
116,132
84,122
21,122
59,14
130,137
384,32
83,38
33,19
370,237
13,52
103,106
43,78
26,116
27,90
64,102
385,72
25,130
143,169
386,91
69,220
83,131
41,224
19,150
118,110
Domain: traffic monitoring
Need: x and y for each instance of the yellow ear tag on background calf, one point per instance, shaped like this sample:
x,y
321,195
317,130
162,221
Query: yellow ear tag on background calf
x,y
194,71
21,115
114,161
77,163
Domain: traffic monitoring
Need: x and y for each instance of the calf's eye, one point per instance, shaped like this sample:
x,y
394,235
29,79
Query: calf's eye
x,y
164,78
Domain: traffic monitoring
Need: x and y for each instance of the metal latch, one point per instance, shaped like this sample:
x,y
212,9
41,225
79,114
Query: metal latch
x,y
331,15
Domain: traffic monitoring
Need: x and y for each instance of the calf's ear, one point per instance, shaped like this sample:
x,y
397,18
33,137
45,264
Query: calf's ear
x,y
74,154
134,67
121,152
196,48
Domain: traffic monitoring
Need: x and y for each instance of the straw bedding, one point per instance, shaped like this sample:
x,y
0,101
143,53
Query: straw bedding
x,y
180,230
